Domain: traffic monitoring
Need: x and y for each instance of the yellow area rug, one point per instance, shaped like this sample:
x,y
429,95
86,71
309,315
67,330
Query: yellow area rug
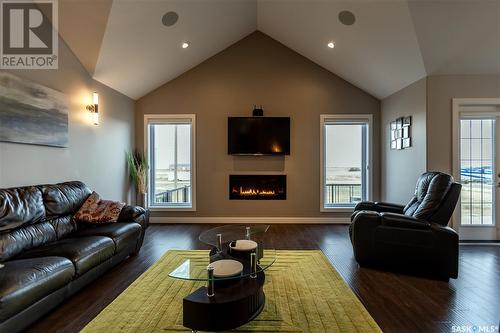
x,y
304,293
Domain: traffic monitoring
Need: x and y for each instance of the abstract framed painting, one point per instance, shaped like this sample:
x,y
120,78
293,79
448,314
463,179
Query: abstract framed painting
x,y
31,113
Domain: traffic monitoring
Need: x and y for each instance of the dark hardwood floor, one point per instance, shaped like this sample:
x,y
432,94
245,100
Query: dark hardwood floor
x,y
398,303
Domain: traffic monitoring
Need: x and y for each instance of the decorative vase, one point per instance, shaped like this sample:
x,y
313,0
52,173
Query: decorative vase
x,y
143,200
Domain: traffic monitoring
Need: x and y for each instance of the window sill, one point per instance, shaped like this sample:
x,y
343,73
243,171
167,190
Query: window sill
x,y
172,209
337,209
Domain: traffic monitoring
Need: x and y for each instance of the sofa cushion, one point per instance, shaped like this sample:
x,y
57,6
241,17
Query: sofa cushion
x,y
123,234
19,206
21,239
84,252
23,282
64,198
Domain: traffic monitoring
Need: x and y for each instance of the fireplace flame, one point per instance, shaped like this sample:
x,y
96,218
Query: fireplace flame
x,y
252,192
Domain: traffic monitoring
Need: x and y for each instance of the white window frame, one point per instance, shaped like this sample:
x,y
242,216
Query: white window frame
x,y
168,119
332,118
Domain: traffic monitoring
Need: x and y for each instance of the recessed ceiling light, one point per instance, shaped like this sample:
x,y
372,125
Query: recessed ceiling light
x,y
185,45
331,45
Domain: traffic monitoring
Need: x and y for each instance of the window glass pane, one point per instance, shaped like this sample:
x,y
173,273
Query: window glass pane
x,y
344,149
170,165
464,128
487,128
487,149
475,147
465,149
475,125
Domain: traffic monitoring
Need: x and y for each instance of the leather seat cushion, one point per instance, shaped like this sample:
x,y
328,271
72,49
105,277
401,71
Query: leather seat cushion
x,y
24,282
84,252
123,234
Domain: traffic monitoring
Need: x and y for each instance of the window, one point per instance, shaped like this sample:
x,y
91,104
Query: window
x,y
345,161
171,154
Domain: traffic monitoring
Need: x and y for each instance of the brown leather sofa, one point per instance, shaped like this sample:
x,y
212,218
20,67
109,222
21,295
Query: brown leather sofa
x,y
48,256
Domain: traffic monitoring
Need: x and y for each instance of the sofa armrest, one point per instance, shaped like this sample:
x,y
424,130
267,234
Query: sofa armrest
x,y
135,214
403,221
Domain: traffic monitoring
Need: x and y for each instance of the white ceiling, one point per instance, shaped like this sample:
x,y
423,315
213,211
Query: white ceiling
x,y
392,44
139,53
378,53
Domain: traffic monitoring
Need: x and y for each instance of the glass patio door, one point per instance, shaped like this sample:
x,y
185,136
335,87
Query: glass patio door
x,y
479,175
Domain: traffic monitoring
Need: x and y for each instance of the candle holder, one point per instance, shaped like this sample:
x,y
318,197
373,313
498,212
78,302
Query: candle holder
x,y
219,243
253,265
210,285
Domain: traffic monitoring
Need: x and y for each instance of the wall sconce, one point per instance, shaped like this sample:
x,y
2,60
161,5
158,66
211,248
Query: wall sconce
x,y
94,108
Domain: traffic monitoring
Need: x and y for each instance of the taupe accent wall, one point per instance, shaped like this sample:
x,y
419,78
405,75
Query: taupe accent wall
x,y
441,89
401,168
96,154
259,70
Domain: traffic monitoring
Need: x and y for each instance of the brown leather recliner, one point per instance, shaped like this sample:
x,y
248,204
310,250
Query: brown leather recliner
x,y
414,238
48,256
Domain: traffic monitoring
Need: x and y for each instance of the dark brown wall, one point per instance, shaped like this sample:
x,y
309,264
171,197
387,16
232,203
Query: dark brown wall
x,y
258,70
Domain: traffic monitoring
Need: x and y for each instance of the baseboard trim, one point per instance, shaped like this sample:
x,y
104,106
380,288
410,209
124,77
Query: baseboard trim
x,y
250,220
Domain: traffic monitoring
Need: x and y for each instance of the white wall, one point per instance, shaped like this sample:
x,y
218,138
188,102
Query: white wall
x,y
96,154
401,168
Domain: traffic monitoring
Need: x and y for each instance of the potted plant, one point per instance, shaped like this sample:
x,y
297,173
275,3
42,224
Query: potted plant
x,y
138,170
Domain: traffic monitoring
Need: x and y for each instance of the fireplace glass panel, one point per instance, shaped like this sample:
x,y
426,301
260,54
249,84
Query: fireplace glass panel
x,y
257,187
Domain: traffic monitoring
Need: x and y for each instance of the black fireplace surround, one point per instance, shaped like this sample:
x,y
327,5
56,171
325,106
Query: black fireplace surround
x,y
257,187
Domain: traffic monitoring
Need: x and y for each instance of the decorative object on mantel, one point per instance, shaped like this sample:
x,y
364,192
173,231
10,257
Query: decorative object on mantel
x,y
401,133
258,111
138,171
31,113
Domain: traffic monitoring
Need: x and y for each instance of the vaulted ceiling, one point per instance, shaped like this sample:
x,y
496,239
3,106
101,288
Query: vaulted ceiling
x,y
391,44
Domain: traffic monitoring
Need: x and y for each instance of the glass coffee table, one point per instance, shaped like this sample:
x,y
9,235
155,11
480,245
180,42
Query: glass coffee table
x,y
234,275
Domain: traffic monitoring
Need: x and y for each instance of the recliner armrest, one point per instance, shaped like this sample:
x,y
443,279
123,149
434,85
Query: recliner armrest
x,y
403,221
380,207
389,207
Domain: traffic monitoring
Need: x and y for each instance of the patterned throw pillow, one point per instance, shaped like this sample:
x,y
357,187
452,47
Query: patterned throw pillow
x,y
95,210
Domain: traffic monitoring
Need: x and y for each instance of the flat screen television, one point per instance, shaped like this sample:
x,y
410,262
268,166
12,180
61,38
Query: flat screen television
x,y
258,136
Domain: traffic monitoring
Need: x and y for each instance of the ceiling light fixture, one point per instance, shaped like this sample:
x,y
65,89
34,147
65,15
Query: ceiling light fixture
x,y
185,45
331,45
346,17
169,19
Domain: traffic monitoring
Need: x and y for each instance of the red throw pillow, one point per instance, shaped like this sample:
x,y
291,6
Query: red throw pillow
x,y
95,210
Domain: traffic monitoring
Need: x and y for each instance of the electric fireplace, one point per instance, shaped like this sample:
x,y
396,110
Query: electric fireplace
x,y
257,187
